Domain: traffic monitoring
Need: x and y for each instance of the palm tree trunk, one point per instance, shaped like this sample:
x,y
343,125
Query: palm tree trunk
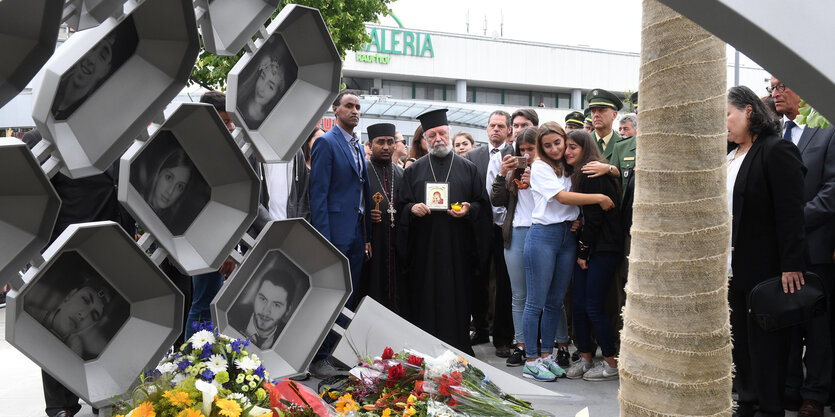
x,y
675,357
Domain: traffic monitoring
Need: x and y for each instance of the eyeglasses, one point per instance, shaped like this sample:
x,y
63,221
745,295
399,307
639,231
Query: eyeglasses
x,y
781,88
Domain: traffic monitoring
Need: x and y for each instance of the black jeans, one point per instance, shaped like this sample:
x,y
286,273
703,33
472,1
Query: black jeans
x,y
815,335
57,397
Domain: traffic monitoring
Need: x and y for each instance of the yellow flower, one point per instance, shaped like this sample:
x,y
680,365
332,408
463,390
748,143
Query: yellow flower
x,y
345,404
387,412
190,412
333,395
409,412
145,409
228,408
178,398
411,400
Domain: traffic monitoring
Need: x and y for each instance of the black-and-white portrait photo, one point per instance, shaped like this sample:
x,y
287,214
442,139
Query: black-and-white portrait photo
x,y
94,68
269,300
169,182
74,302
265,80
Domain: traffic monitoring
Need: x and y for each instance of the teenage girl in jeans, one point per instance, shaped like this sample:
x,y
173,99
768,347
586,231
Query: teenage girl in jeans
x,y
550,249
600,249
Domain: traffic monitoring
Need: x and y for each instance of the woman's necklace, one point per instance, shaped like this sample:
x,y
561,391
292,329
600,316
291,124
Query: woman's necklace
x,y
389,196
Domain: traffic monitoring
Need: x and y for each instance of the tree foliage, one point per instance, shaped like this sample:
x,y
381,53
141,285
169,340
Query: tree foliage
x,y
345,20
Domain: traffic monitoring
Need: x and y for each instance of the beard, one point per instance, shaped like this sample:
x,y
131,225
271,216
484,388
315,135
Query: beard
x,y
440,149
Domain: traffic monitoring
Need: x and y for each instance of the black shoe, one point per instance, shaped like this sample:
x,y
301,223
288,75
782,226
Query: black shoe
x,y
326,368
563,358
792,401
503,351
479,336
575,356
516,358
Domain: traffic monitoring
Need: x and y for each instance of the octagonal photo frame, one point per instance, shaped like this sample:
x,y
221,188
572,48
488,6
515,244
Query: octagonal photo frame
x,y
234,23
29,207
86,14
191,187
280,91
28,31
293,265
95,319
105,84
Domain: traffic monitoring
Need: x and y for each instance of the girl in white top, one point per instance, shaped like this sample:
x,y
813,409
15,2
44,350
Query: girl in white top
x,y
550,251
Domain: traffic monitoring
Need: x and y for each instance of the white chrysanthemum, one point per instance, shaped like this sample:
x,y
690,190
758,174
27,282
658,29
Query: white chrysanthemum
x,y
216,363
246,363
201,338
167,368
240,398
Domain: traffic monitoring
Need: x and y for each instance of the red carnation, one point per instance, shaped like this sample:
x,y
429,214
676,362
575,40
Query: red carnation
x,y
388,353
395,372
415,360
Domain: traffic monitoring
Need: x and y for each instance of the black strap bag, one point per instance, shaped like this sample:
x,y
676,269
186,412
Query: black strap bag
x,y
772,309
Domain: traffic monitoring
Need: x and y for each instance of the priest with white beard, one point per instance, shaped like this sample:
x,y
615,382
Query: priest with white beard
x,y
439,201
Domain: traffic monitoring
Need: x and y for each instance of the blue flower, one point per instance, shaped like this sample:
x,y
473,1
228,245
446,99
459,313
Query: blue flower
x,y
207,375
237,345
207,351
195,326
184,364
259,371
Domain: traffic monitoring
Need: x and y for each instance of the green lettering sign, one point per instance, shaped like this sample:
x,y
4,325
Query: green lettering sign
x,y
400,42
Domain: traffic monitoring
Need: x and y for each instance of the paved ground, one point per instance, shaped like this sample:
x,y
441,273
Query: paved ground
x,y
21,393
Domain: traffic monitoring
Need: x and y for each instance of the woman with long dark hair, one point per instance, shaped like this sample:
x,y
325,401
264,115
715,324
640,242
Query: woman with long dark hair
x,y
418,148
765,197
298,203
599,251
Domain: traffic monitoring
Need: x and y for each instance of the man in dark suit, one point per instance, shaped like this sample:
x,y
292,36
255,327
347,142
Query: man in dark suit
x,y
491,246
340,201
817,148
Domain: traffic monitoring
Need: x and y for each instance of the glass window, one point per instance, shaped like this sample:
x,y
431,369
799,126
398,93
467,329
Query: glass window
x,y
563,100
488,96
362,84
396,89
429,92
548,99
517,98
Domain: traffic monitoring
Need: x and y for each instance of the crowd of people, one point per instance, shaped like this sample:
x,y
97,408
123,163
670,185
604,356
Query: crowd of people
x,y
542,215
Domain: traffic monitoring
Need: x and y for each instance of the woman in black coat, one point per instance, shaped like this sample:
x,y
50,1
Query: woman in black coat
x,y
765,193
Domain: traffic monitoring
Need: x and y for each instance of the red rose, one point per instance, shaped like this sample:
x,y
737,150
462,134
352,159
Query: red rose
x,y
415,360
395,372
419,387
388,353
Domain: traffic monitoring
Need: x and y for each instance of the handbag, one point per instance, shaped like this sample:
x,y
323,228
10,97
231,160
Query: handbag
x,y
772,309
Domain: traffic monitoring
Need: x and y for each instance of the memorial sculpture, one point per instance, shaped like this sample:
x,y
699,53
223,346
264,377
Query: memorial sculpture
x,y
225,36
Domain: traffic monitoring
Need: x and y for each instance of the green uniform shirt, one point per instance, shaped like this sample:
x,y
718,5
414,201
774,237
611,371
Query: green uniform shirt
x,y
610,147
623,158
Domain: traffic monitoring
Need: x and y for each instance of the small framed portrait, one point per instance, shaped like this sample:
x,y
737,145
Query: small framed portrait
x,y
264,81
437,195
269,300
94,68
169,182
75,303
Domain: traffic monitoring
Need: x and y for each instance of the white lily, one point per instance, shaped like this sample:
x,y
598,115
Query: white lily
x,y
257,411
209,391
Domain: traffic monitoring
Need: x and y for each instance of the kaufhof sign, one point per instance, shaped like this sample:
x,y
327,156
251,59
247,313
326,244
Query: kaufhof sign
x,y
386,42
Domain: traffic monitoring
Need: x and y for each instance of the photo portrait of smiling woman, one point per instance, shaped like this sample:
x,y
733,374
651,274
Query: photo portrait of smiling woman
x,y
169,182
74,302
265,80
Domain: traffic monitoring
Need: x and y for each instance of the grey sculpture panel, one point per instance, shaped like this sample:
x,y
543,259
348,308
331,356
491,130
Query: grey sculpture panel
x,y
799,58
191,187
285,296
227,25
279,92
95,318
105,84
28,30
28,209
85,14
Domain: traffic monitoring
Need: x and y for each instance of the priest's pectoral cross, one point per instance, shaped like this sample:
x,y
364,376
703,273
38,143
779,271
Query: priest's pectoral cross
x,y
391,211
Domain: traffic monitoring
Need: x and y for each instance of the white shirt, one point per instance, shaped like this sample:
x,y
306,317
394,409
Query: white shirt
x,y
545,185
797,130
524,208
493,168
278,177
730,180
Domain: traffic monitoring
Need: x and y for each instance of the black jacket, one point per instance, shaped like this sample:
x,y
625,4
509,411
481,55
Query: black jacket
x,y
768,235
602,230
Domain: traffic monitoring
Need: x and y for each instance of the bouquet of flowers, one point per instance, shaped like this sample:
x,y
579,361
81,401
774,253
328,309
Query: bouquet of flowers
x,y
408,384
213,375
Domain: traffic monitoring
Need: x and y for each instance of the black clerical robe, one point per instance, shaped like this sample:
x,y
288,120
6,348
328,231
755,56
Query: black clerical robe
x,y
441,254
380,277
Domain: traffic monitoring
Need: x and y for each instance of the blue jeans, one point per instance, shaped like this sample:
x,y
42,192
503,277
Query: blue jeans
x,y
550,254
515,260
590,288
206,286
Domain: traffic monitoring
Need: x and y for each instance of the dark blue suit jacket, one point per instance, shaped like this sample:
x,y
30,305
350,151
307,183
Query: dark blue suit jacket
x,y
817,148
335,185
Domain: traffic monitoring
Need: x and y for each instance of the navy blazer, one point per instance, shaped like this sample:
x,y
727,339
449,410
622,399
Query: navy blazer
x,y
335,186
817,148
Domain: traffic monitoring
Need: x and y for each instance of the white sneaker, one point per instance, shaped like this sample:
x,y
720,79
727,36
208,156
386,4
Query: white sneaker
x,y
577,369
601,372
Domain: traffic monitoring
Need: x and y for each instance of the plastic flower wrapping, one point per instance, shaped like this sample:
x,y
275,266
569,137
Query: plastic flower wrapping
x,y
412,384
213,375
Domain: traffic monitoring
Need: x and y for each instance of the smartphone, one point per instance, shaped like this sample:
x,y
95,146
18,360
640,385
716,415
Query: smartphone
x,y
521,161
